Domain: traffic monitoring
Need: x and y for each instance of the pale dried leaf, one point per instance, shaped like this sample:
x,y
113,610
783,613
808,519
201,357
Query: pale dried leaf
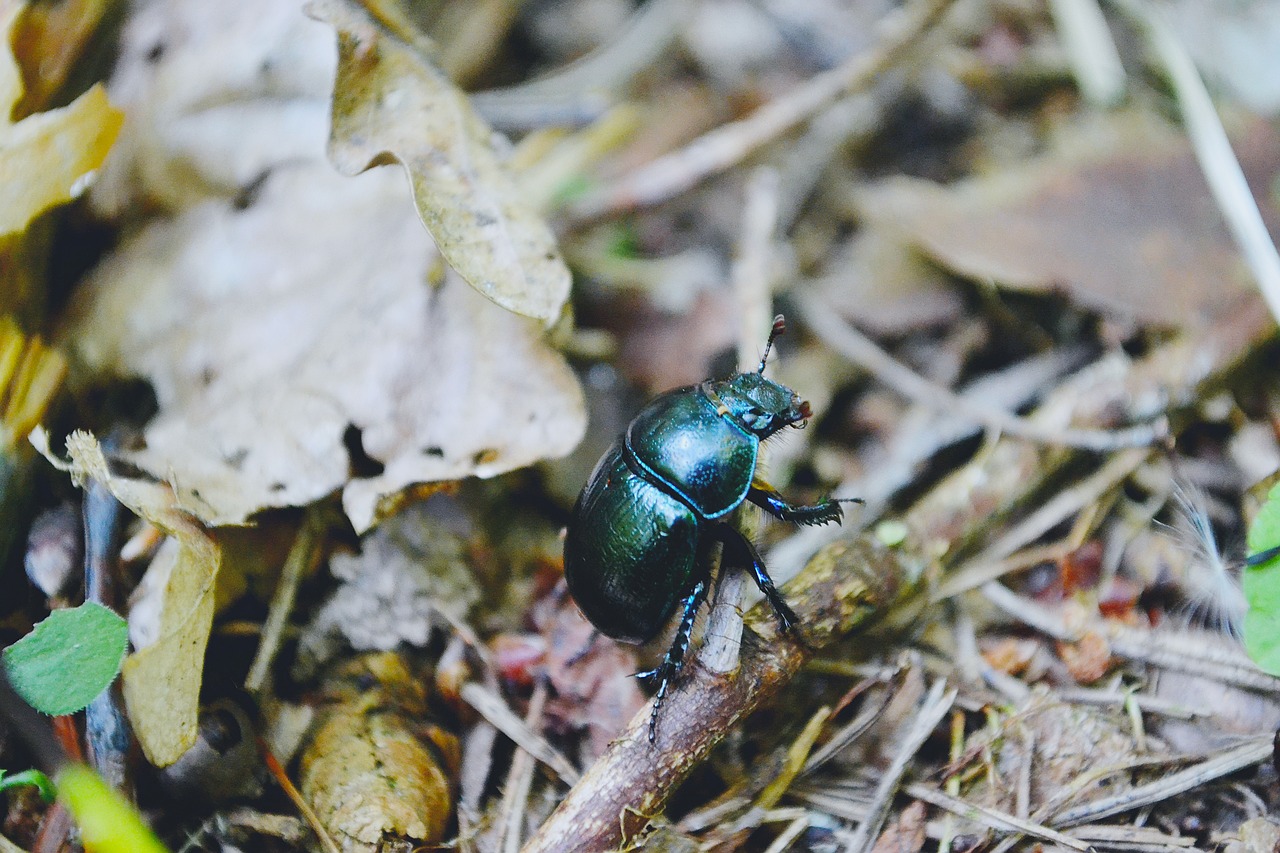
x,y
269,331
46,159
162,681
392,101
407,570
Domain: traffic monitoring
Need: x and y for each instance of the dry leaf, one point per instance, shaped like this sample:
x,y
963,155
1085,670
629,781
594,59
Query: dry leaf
x,y
1122,223
49,40
284,311
906,834
408,569
161,681
49,158
392,102
270,331
365,772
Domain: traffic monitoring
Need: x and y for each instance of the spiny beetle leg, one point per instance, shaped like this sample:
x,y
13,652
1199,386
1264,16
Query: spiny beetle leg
x,y
1263,557
740,549
768,498
671,665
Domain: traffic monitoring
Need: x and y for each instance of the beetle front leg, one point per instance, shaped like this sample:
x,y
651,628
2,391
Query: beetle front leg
x,y
671,665
771,501
740,549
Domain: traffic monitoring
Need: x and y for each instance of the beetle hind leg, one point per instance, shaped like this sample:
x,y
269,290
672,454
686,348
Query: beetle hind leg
x,y
666,672
742,550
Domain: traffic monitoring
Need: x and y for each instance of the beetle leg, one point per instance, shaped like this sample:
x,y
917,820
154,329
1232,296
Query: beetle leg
x,y
671,665
768,498
746,552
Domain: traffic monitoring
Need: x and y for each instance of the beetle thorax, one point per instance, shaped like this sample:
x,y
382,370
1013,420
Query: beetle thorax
x,y
758,405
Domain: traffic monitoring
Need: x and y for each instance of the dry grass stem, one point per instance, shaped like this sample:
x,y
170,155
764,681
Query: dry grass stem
x,y
729,144
1252,751
859,348
935,706
493,708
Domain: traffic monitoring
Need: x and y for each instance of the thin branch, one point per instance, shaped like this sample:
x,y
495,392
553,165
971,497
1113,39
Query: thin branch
x,y
993,818
845,589
1252,751
860,349
729,144
493,708
935,706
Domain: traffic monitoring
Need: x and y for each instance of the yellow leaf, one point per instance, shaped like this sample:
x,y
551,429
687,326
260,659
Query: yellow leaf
x,y
161,681
49,158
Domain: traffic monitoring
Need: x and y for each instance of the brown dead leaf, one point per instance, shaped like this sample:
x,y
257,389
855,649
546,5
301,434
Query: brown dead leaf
x,y
1088,659
391,102
368,776
162,680
48,41
906,834
1119,219
49,158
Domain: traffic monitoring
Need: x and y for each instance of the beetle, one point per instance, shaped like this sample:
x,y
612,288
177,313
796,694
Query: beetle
x,y
637,543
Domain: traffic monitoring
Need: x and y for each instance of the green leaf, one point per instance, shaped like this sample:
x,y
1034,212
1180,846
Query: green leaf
x,y
68,659
1262,586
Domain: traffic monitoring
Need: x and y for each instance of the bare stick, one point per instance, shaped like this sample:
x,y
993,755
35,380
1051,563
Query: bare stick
x,y
844,589
729,144
932,710
856,346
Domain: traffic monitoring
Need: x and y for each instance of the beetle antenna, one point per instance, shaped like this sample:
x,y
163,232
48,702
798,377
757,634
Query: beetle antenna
x,y
779,326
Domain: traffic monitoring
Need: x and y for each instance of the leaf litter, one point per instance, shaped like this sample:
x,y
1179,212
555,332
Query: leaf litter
x,y
1025,638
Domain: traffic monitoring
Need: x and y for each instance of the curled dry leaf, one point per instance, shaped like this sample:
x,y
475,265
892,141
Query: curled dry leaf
x,y
391,101
366,773
283,312
46,159
162,681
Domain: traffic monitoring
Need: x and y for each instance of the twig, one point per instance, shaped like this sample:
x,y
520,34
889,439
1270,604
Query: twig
x,y
1213,151
788,836
302,555
492,707
729,144
994,818
1095,62
291,791
857,347
978,570
934,707
920,435
1252,751
515,796
844,589
580,91
751,282
847,734
1124,837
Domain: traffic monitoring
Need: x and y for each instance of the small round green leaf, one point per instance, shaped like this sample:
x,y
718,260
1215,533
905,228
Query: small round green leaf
x,y
68,659
1262,587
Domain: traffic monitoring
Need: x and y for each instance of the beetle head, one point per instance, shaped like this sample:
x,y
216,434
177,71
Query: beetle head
x,y
761,405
